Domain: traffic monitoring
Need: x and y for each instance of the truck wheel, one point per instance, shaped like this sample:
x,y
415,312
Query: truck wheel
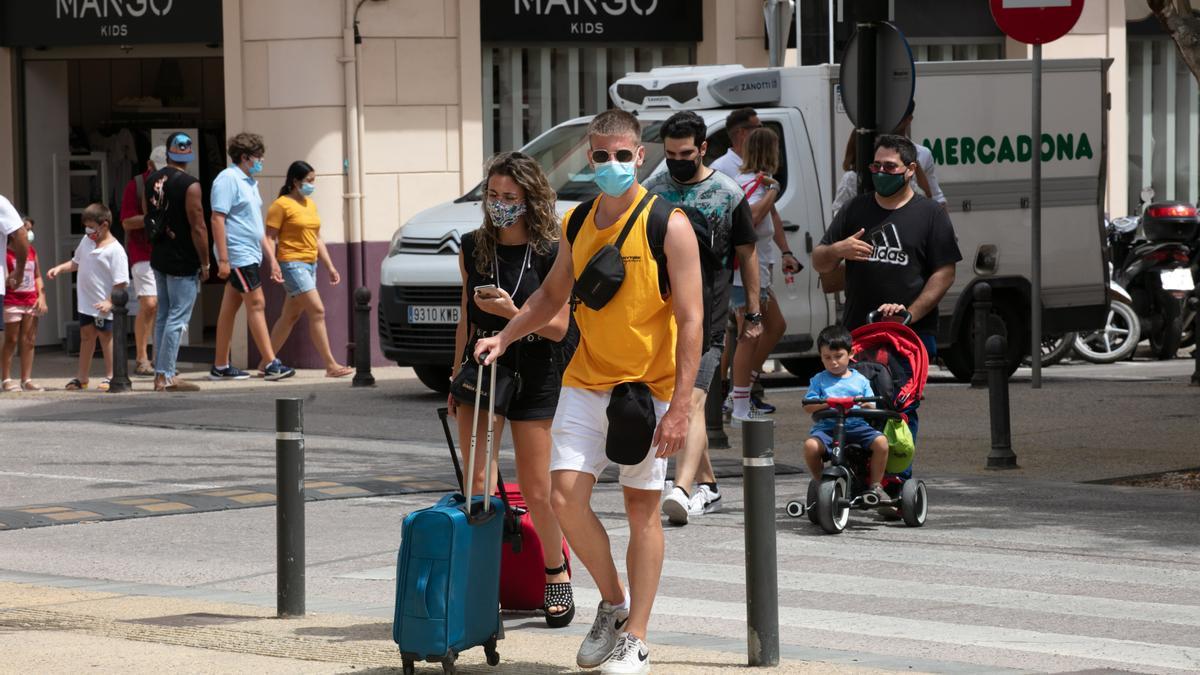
x,y
436,378
803,368
960,357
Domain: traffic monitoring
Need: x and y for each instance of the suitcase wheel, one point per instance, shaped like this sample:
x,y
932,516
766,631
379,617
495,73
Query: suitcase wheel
x,y
489,650
448,666
409,668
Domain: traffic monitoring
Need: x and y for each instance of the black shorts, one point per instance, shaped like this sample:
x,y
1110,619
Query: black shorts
x,y
541,380
102,325
245,279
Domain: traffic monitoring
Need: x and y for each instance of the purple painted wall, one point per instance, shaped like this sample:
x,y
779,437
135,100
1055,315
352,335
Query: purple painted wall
x,y
298,351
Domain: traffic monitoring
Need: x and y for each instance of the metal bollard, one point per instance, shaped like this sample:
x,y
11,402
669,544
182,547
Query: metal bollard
x,y
714,421
362,338
762,579
289,507
120,384
1002,455
981,310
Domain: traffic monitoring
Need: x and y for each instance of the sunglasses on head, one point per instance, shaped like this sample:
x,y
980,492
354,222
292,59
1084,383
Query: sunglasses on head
x,y
182,142
886,167
604,156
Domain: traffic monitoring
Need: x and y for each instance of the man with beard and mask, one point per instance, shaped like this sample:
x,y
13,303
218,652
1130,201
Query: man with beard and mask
x,y
900,248
688,182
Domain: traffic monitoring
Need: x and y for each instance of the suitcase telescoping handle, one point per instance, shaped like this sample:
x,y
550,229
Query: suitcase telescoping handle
x,y
491,424
444,415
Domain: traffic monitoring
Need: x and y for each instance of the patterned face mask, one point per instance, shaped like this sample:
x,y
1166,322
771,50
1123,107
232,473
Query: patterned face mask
x,y
504,214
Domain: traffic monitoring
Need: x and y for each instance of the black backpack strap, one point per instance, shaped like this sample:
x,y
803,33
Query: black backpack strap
x,y
578,215
656,234
637,211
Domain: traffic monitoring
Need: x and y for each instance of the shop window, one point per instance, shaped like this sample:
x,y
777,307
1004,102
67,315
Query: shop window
x,y
528,90
1164,123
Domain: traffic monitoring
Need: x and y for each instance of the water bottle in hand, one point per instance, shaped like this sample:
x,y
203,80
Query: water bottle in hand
x,y
792,292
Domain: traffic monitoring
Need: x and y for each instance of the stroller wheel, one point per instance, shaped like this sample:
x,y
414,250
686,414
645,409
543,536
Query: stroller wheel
x,y
832,513
812,501
914,503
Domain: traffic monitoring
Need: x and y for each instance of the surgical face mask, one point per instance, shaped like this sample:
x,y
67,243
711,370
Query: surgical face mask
x,y
256,167
90,231
29,236
504,214
888,184
615,178
683,170
307,189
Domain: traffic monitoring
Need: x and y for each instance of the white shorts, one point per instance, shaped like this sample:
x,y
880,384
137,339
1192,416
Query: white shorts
x,y
141,277
579,432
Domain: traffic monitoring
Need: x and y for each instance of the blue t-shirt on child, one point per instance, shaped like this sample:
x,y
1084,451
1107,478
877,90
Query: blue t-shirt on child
x,y
826,385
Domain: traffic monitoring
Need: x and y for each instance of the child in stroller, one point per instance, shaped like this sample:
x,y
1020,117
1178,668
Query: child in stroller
x,y
866,468
840,381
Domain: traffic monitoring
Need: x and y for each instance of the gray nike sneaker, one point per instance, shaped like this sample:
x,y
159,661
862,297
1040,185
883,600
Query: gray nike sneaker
x,y
602,638
629,657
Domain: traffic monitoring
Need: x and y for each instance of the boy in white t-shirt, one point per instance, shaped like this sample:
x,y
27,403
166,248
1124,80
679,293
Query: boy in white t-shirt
x,y
103,268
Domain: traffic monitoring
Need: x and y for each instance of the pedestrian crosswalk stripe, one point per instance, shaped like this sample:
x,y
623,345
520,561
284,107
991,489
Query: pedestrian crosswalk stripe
x,y
982,596
1123,652
1011,561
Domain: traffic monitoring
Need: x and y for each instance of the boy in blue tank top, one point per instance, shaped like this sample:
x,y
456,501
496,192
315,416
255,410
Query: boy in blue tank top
x,y
839,380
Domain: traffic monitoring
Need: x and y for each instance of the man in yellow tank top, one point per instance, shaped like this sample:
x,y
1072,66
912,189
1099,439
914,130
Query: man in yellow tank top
x,y
638,336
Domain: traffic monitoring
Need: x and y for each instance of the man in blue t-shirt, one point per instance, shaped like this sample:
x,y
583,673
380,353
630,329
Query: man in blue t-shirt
x,y
242,244
838,380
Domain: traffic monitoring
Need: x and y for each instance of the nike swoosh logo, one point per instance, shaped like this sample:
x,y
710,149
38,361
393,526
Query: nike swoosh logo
x,y
643,655
621,624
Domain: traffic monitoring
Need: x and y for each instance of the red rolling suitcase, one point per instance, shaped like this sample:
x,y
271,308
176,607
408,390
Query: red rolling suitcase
x,y
522,565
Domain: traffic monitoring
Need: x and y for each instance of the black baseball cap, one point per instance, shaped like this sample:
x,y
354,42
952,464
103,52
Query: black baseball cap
x,y
631,423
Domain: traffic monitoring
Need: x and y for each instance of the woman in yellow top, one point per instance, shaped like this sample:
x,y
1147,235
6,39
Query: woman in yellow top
x,y
295,227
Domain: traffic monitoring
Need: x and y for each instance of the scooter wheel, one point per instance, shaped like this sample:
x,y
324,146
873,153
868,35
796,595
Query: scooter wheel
x,y
914,503
832,516
794,509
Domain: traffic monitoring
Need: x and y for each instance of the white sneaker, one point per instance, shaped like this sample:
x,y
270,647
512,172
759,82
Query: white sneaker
x,y
708,498
676,506
602,638
631,655
727,406
736,420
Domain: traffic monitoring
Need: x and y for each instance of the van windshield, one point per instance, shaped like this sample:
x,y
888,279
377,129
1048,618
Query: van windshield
x,y
563,154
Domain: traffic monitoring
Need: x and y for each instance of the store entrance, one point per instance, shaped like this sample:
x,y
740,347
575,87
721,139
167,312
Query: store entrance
x,y
90,124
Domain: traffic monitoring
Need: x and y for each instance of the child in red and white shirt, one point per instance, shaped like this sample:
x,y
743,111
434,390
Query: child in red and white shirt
x,y
23,306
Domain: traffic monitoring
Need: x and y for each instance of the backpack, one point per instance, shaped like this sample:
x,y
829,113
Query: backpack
x,y
656,232
154,222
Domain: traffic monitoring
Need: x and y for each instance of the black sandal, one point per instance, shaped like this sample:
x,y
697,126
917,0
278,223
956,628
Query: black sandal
x,y
558,594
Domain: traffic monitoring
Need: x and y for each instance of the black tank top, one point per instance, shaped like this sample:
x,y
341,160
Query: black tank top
x,y
175,256
521,272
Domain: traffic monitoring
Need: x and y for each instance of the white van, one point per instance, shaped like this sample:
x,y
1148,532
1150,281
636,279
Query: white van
x,y
974,116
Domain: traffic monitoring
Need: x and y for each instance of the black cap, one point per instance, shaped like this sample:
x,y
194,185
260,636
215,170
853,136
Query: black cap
x,y
631,423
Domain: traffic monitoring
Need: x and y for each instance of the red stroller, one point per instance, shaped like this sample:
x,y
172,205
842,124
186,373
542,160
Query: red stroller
x,y
892,357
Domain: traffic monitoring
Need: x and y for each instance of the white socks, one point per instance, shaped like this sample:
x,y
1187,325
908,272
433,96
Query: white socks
x,y
741,401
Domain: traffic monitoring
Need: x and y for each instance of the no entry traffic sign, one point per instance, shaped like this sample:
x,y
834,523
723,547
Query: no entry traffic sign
x,y
1036,22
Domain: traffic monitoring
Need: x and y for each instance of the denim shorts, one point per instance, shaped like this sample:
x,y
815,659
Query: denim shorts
x,y
299,277
737,297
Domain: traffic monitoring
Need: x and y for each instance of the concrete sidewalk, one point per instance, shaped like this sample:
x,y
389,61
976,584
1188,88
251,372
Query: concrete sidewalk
x,y
45,629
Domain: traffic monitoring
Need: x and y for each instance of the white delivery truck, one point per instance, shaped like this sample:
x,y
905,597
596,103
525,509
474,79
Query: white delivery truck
x,y
974,117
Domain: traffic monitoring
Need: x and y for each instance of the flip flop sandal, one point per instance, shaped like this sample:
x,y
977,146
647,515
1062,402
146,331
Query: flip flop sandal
x,y
29,385
144,369
341,371
10,385
558,594
76,385
104,384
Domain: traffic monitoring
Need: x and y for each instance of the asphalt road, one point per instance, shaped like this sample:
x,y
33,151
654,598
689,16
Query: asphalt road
x,y
1038,569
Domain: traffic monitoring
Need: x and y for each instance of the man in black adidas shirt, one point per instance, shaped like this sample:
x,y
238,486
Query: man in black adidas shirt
x,y
899,247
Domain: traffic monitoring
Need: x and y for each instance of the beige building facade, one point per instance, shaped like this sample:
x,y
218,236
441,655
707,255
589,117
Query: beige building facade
x,y
404,118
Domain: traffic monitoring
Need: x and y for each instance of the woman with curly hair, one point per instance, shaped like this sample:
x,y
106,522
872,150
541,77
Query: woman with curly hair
x,y
502,264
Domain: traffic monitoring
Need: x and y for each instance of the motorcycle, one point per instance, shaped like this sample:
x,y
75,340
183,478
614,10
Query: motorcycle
x,y
1119,337
1152,257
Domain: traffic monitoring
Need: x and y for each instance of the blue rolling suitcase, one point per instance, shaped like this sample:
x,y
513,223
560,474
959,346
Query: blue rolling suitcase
x,y
448,576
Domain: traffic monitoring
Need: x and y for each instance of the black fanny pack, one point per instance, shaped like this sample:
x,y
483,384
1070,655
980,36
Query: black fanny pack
x,y
601,278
